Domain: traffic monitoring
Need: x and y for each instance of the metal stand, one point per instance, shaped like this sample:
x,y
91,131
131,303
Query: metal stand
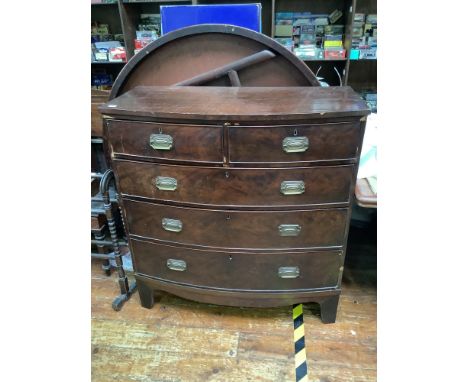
x,y
106,266
126,291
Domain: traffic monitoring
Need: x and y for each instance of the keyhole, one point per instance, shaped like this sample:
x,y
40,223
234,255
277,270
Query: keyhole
x,y
160,130
230,257
228,217
295,132
226,174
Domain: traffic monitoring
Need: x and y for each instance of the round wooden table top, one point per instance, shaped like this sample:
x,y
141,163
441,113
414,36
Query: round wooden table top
x,y
213,55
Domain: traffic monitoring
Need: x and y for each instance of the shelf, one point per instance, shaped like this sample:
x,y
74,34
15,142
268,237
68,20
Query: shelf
x,y
107,63
124,20
114,3
325,60
365,59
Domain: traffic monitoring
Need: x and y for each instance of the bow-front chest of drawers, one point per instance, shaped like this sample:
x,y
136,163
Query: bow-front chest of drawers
x,y
237,196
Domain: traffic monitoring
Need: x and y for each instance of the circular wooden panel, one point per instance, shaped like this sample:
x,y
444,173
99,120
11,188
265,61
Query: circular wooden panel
x,y
210,52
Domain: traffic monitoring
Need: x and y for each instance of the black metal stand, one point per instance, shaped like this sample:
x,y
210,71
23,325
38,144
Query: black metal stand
x,y
126,290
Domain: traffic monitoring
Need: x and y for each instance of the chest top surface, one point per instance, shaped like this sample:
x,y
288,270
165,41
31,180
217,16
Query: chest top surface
x,y
236,103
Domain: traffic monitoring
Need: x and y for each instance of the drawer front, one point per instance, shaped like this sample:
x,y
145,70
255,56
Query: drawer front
x,y
238,270
236,187
299,143
166,142
237,229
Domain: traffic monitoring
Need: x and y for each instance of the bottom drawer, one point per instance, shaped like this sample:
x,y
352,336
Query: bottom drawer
x,y
238,270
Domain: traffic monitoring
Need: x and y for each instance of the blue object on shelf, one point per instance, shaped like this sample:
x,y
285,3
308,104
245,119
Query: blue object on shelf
x,y
179,16
354,54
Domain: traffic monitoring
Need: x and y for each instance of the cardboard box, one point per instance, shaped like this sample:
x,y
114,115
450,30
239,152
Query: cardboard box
x,y
354,54
335,16
146,35
283,30
368,54
333,29
117,54
359,17
333,54
358,30
332,44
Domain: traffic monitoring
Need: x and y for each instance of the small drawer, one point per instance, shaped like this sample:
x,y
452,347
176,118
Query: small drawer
x,y
295,143
239,187
237,229
238,270
171,142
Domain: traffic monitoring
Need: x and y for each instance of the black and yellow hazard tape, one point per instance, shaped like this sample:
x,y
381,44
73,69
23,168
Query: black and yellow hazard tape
x,y
299,344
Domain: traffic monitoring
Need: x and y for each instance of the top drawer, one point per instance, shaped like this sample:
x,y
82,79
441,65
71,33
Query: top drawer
x,y
163,141
295,143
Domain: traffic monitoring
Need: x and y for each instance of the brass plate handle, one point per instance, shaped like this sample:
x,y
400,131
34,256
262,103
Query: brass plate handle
x,y
172,225
292,187
289,229
176,265
288,272
295,144
161,141
165,183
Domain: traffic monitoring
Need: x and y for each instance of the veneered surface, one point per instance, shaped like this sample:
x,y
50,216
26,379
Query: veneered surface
x,y
237,104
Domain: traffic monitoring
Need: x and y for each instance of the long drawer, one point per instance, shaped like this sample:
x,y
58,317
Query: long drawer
x,y
238,270
295,143
238,229
285,187
164,141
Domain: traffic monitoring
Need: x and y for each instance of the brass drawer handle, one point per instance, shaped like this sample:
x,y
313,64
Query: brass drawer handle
x,y
161,141
176,265
295,144
292,187
166,183
172,225
288,272
289,229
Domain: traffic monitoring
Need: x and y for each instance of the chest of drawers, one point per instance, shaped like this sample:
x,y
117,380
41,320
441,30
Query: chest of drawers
x,y
237,196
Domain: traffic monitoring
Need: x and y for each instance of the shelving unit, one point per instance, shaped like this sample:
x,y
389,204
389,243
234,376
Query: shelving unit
x,y
123,16
362,74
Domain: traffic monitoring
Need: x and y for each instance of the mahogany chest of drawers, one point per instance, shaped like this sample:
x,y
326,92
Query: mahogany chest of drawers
x,y
237,196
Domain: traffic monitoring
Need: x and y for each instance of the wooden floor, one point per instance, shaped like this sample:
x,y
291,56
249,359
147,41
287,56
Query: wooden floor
x,y
180,340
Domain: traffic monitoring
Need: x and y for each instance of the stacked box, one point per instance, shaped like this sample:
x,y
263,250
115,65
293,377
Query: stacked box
x,y
117,54
310,52
307,32
149,30
150,22
359,17
287,42
106,51
371,19
101,78
334,53
358,30
333,29
100,33
284,24
333,41
368,54
364,40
